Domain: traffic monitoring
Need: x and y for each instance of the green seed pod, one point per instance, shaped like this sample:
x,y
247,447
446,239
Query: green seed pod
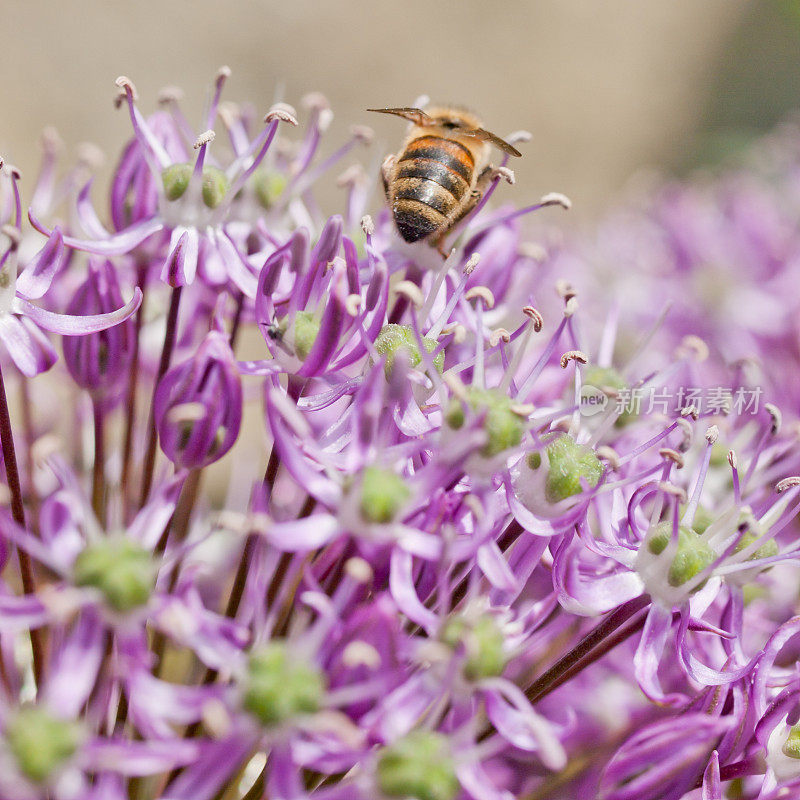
x,y
791,746
394,338
268,187
504,427
306,329
568,463
692,556
40,742
483,642
122,570
176,179
418,767
383,494
279,687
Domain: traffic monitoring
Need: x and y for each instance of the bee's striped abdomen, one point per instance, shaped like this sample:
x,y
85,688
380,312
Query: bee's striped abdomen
x,y
432,179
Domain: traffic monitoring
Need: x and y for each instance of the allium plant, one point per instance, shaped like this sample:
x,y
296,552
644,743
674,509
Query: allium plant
x,y
318,514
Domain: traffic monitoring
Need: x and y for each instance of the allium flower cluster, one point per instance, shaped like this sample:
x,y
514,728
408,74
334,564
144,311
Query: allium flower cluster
x,y
319,514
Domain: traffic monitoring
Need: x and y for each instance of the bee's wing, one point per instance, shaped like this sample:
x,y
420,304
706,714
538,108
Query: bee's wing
x,y
487,136
415,115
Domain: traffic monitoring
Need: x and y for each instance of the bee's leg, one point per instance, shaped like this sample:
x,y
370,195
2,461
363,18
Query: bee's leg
x,y
387,168
485,179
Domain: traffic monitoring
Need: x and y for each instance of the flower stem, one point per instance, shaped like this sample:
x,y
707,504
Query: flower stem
x,y
18,513
602,638
166,357
130,398
98,468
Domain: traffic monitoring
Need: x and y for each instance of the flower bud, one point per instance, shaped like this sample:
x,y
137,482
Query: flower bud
x,y
393,338
279,687
123,571
98,361
198,405
419,766
176,179
503,427
482,640
383,494
40,742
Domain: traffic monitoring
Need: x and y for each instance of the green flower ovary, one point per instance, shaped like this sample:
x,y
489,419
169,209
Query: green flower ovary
x,y
569,462
268,187
767,549
394,338
279,687
122,570
791,746
419,766
483,642
40,742
692,556
383,494
504,427
306,330
176,179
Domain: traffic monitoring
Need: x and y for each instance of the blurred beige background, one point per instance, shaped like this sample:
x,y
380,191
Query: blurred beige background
x,y
606,86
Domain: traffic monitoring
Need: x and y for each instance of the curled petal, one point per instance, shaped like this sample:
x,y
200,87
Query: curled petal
x,y
28,347
116,245
68,325
37,276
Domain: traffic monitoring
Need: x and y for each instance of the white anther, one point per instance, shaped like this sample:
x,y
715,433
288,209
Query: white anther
x,y
411,292
671,488
776,416
519,136
352,304
125,84
533,314
51,141
573,355
352,176
169,94
505,173
362,133
481,293
732,460
458,330
787,483
556,199
608,454
692,346
522,409
361,654
367,225
497,335
206,137
690,411
90,155
532,250
672,455
455,385
359,569
283,112
471,263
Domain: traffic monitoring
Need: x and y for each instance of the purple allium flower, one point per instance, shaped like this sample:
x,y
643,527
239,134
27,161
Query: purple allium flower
x,y
497,526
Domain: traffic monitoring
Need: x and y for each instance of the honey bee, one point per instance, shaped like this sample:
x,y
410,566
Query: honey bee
x,y
441,171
